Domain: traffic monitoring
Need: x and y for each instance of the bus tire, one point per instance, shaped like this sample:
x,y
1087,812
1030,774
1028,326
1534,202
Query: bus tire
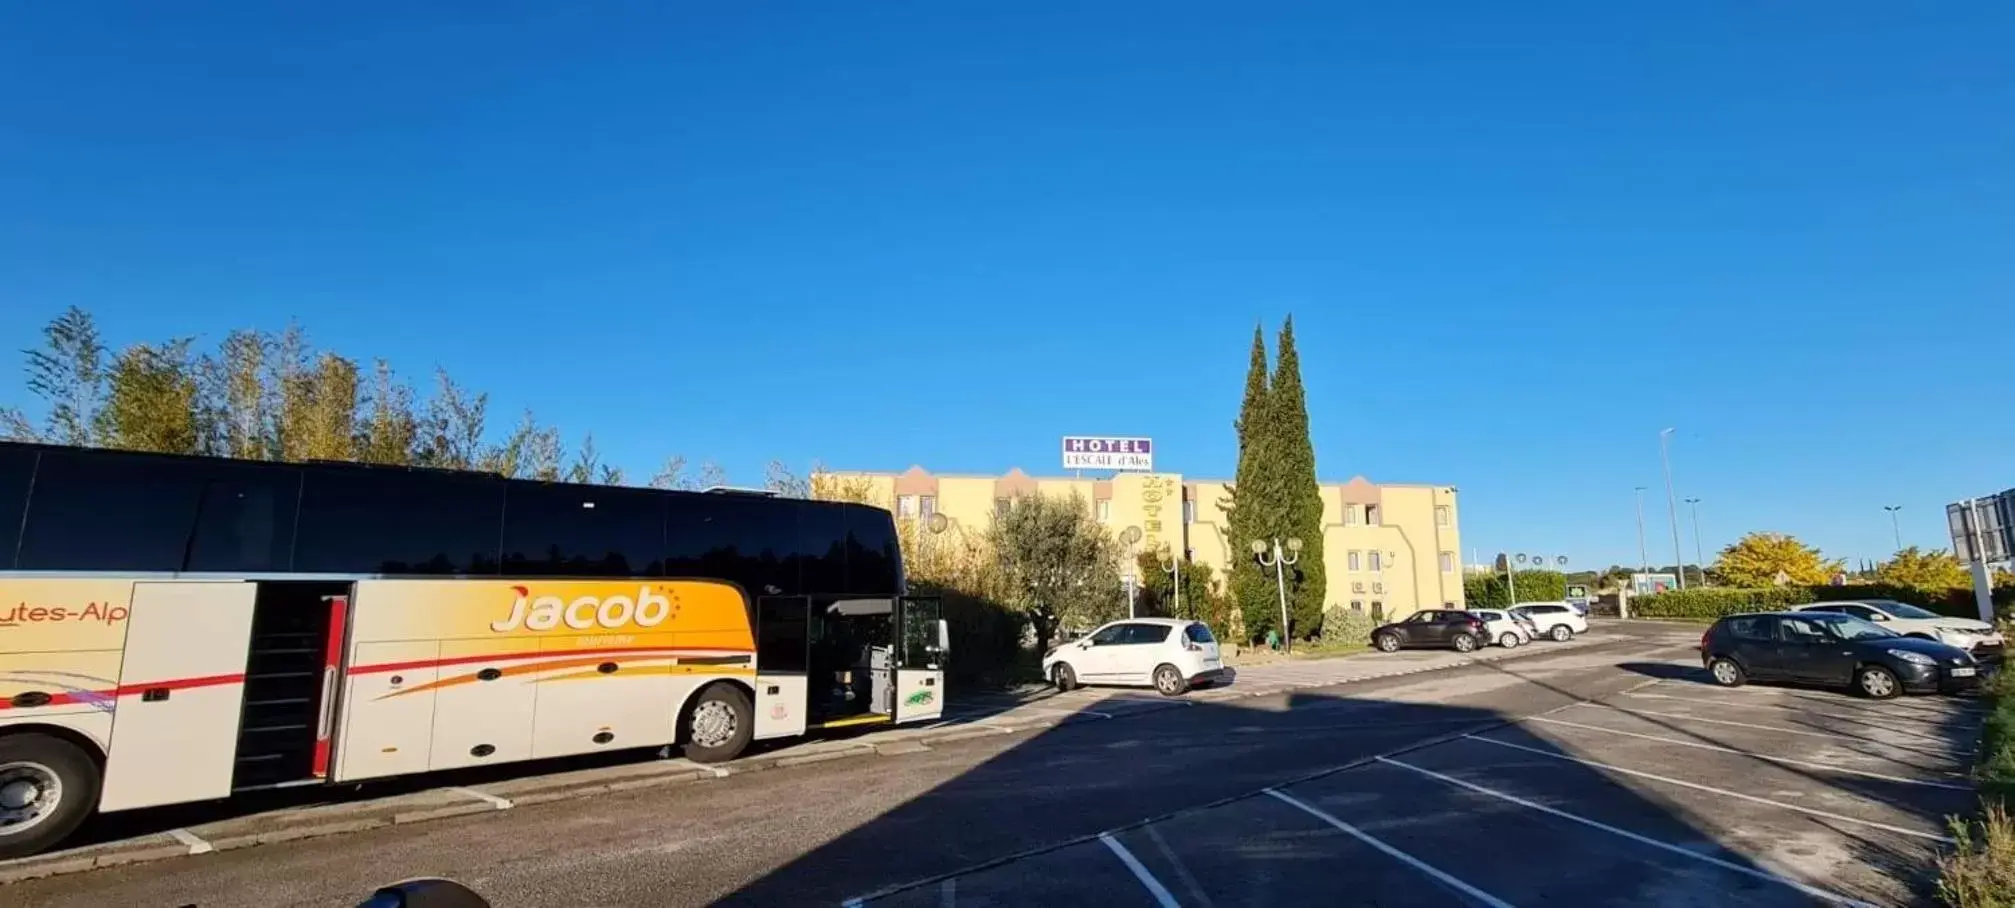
x,y
720,724
48,787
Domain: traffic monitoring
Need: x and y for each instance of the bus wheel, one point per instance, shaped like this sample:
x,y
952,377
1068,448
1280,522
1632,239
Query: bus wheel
x,y
720,725
47,787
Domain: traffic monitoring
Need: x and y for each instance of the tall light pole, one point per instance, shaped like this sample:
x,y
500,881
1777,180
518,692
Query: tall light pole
x,y
1130,537
1643,554
1895,528
1280,562
1672,505
1699,553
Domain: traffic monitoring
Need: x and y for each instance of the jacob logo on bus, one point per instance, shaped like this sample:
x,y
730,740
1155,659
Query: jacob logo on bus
x,y
544,613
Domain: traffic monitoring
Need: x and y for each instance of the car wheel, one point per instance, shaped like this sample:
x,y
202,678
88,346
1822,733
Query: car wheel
x,y
1726,673
720,725
1507,640
1877,683
1464,643
48,786
1169,681
1561,633
1063,677
1386,643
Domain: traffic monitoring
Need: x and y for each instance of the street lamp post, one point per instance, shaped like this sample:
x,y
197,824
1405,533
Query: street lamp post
x,y
1130,537
1643,554
1699,553
1671,506
1280,562
1895,529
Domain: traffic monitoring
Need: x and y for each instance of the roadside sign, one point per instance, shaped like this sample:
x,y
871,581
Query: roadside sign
x,y
1101,452
1983,529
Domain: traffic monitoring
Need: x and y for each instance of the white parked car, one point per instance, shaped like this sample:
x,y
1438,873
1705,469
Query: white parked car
x,y
1556,620
1504,628
1169,654
1970,634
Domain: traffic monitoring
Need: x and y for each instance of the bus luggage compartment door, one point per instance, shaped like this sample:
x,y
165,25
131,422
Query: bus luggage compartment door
x,y
920,658
181,690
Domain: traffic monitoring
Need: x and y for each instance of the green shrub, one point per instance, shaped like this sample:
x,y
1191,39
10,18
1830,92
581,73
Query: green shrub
x,y
1716,601
1343,626
1980,871
986,639
1490,590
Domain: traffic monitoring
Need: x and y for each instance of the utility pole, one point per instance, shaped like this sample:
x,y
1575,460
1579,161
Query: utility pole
x,y
1895,528
1672,505
1643,554
1699,553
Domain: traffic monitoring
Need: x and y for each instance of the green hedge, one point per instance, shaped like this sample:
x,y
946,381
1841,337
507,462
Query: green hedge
x,y
1715,601
1490,591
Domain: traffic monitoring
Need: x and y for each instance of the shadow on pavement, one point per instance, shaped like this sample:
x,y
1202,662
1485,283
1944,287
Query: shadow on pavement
x,y
1225,804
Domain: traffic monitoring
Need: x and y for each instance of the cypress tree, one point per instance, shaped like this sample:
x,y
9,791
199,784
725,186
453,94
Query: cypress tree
x,y
1249,510
1291,456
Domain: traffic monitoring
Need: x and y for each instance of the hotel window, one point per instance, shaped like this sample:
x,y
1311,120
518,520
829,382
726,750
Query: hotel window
x,y
1001,506
1441,515
927,505
1371,514
1105,510
1448,562
1353,515
906,506
1377,564
1357,605
1188,510
1354,562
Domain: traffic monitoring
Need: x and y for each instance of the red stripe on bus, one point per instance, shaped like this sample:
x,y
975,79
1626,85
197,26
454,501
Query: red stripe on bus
x,y
540,654
68,698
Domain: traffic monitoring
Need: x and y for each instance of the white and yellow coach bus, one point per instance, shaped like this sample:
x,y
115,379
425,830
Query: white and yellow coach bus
x,y
177,629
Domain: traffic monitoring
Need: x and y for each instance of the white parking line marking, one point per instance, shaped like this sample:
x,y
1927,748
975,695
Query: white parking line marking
x,y
1879,719
1720,791
1758,756
1374,842
497,802
195,842
1162,896
1643,840
1956,751
948,894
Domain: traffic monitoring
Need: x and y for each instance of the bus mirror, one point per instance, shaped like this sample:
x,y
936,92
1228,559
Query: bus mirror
x,y
944,636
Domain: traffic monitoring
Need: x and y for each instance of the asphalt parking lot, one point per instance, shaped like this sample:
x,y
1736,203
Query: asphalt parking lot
x,y
1675,792
1603,773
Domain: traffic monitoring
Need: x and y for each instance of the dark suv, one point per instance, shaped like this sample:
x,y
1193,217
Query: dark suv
x,y
1433,627
1833,649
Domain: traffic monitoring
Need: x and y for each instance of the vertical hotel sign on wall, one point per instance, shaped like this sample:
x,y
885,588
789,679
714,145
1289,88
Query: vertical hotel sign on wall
x,y
1161,512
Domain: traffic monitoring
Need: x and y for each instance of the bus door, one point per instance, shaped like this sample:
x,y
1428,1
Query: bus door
x,y
783,665
181,689
923,643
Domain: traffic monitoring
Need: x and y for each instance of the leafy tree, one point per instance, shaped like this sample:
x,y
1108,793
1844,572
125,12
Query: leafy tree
x,y
324,423
1251,506
513,456
235,394
1756,559
1934,570
587,463
711,475
452,436
672,475
779,479
1293,453
1059,566
152,404
390,431
69,375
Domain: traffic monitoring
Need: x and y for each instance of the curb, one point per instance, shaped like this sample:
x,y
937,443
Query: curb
x,y
165,845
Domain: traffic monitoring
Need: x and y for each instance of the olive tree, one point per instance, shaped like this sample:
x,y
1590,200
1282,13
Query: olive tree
x,y
1059,567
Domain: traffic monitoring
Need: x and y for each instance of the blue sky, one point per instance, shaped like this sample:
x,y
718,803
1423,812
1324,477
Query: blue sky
x,y
1517,241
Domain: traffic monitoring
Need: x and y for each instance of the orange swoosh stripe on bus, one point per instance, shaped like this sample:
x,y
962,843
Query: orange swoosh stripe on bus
x,y
533,654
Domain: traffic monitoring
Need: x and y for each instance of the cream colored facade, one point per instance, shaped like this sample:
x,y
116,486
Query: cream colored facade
x,y
1389,548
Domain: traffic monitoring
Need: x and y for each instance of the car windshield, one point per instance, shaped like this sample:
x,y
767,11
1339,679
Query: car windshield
x,y
1905,610
1848,627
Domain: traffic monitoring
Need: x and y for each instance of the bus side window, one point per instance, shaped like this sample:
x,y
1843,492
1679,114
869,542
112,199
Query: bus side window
x,y
246,522
392,521
822,547
93,511
872,555
744,540
583,531
17,471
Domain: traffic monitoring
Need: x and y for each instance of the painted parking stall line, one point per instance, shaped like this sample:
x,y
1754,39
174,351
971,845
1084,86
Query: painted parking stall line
x,y
1611,767
1815,892
1375,842
1806,732
1162,896
1754,755
1869,718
